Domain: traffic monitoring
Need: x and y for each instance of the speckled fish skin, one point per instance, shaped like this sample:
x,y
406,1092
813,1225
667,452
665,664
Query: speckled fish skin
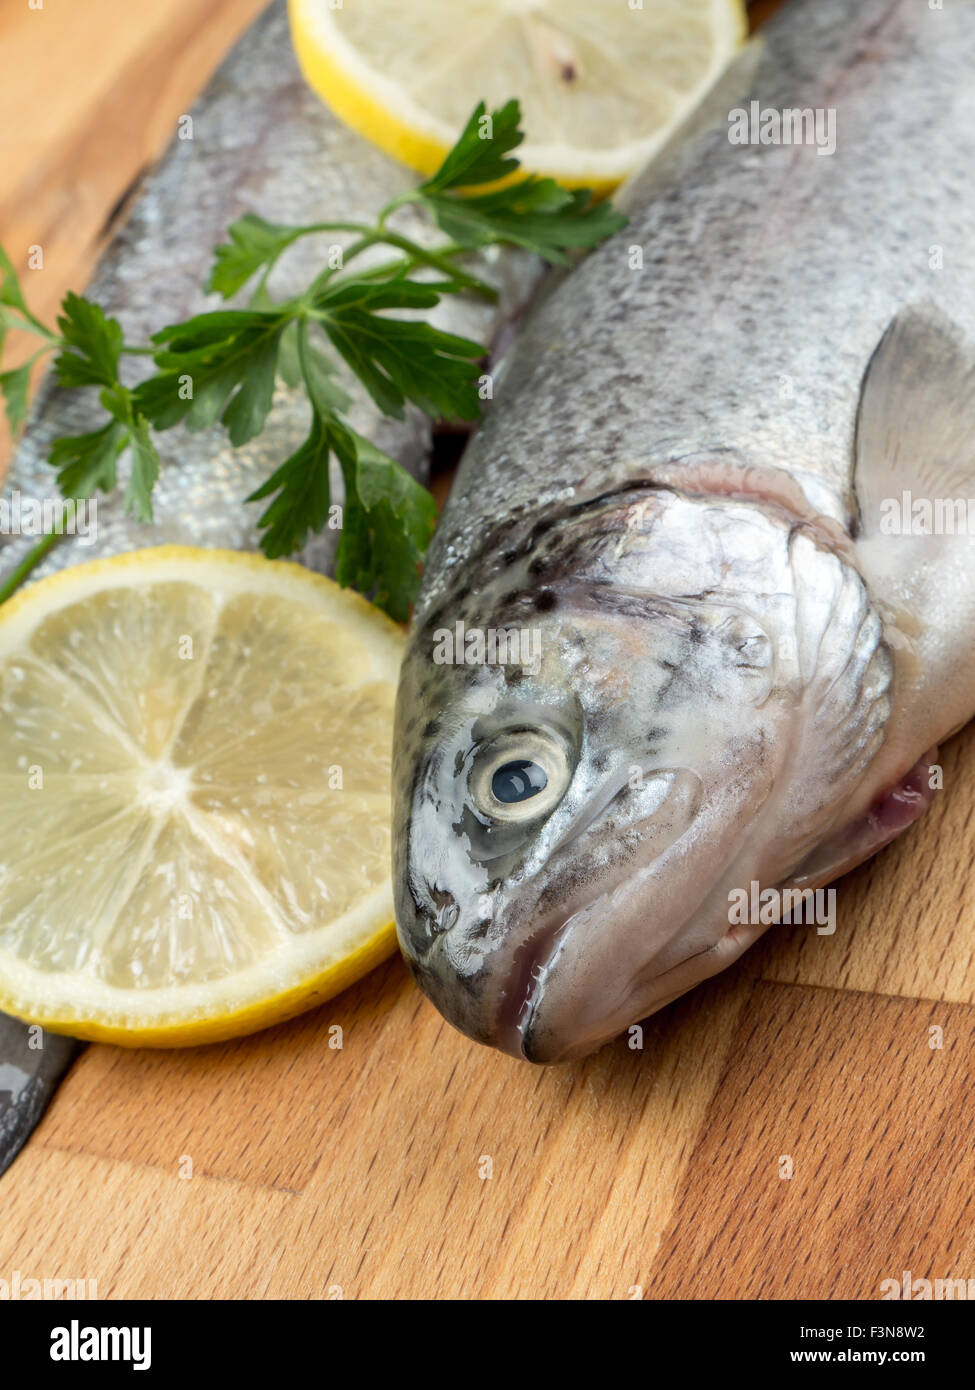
x,y
678,494
262,142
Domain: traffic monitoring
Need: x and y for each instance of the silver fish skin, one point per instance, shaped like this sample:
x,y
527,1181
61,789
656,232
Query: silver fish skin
x,y
734,672
261,142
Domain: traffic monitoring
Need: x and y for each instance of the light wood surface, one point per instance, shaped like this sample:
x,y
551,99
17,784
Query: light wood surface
x,y
90,95
411,1163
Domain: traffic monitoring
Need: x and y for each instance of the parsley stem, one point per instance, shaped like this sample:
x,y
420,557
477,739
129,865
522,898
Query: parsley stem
x,y
411,195
331,227
30,561
310,229
438,259
29,324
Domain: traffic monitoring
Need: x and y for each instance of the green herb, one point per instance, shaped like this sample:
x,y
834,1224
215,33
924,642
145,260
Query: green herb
x,y
222,366
14,313
535,213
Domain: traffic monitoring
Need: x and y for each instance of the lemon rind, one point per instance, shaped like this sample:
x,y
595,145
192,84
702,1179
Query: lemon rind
x,y
366,100
313,966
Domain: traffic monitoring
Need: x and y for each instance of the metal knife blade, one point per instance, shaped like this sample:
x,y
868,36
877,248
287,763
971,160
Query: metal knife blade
x,y
32,1063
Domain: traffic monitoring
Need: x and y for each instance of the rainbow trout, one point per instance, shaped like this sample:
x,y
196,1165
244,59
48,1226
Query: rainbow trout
x,y
702,601
261,142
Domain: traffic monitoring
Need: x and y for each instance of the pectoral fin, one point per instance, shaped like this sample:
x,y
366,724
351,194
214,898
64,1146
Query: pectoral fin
x,y
916,420
915,489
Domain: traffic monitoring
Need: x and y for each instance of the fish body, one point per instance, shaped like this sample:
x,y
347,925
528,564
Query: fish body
x,y
722,668
261,142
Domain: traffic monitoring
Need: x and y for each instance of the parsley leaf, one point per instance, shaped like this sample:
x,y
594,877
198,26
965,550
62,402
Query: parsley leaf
x,y
14,313
92,344
220,362
303,494
387,518
289,368
479,156
318,373
537,214
301,485
87,462
14,386
387,524
401,359
145,471
10,291
254,243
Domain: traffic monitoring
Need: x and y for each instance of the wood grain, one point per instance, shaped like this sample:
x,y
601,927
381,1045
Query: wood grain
x,y
90,95
825,1163
130,1229
409,1148
410,1163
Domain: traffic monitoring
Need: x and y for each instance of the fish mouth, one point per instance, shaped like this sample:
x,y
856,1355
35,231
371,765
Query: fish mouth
x,y
525,982
534,957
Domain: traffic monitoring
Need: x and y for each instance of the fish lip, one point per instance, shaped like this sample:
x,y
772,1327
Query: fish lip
x,y
534,957
519,989
524,988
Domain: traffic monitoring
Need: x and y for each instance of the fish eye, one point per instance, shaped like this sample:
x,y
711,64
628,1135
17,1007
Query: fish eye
x,y
518,780
520,775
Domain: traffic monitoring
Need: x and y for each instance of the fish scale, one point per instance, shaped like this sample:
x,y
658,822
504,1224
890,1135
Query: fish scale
x,y
261,142
686,491
760,263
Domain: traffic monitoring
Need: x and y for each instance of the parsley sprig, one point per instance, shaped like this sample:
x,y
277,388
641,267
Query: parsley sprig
x,y
222,366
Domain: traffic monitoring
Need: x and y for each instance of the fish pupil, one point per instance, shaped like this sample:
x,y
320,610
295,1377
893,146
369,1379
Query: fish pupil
x,y
518,780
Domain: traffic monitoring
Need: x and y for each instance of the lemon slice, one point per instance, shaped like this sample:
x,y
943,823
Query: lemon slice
x,y
601,85
194,795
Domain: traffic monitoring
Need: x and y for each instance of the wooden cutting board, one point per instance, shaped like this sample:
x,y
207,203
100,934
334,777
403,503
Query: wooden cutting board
x,y
89,98
801,1126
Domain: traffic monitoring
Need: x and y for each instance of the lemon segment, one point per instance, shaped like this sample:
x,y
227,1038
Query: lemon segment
x,y
195,753
601,85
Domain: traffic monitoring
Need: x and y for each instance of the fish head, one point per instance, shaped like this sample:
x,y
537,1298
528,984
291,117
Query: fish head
x,y
570,818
